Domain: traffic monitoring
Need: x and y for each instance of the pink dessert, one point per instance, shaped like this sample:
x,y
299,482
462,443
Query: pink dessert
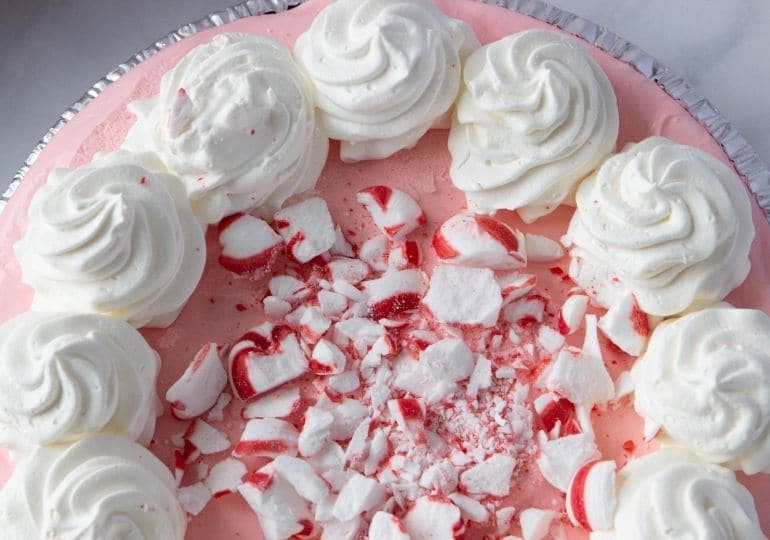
x,y
226,307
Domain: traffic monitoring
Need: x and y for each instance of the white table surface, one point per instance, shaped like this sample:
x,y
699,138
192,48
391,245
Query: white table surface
x,y
51,51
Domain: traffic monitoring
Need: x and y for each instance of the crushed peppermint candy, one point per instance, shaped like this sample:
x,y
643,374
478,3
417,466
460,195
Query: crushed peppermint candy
x,y
383,399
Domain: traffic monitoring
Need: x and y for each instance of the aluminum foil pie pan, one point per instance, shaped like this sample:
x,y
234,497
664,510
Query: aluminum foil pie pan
x,y
747,162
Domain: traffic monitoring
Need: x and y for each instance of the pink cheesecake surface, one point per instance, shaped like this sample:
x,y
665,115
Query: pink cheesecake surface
x,y
224,306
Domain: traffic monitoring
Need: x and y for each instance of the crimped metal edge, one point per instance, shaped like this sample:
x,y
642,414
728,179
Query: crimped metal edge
x,y
746,160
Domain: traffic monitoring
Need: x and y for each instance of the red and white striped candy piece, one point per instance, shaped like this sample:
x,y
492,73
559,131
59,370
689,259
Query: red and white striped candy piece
x,y
267,437
393,293
279,403
385,526
198,389
307,228
405,255
591,496
482,241
433,516
327,358
353,271
225,477
561,458
281,511
394,212
571,314
557,414
248,243
289,289
514,286
626,325
310,322
264,358
409,414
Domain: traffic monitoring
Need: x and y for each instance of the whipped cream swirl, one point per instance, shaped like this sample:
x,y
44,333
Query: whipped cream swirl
x,y
102,487
385,71
664,221
235,120
705,381
63,377
668,494
115,237
536,115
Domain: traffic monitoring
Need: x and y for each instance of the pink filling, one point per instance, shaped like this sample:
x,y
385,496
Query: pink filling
x,y
223,307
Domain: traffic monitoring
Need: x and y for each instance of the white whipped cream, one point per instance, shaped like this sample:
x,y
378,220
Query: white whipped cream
x,y
705,380
385,71
667,222
63,377
235,120
102,487
113,237
536,115
667,494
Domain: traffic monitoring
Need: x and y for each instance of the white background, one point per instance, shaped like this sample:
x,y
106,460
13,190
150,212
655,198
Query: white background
x,y
51,51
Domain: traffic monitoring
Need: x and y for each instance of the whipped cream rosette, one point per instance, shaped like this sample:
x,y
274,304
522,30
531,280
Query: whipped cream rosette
x,y
667,222
536,115
704,381
385,71
117,237
235,120
63,377
102,487
669,494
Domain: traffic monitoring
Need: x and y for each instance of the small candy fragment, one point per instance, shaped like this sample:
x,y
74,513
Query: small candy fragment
x,y
351,270
470,508
205,438
480,241
327,359
264,358
281,511
626,325
394,212
248,243
289,288
267,437
279,403
307,228
316,431
385,526
541,249
433,517
591,496
464,296
536,523
394,292
571,314
197,390
225,477
561,458
359,494
490,477
194,498
409,414
302,477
